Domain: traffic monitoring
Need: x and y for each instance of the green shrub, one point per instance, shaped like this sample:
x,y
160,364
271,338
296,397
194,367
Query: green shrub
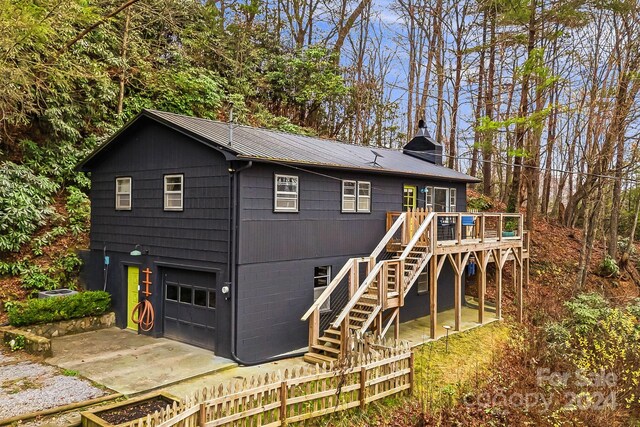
x,y
25,201
609,267
79,210
39,243
34,311
57,160
17,343
481,203
35,279
13,268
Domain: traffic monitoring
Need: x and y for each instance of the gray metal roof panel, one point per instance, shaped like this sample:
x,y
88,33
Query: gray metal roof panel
x,y
265,144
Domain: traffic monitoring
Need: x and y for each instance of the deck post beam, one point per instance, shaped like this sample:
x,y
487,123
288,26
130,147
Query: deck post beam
x,y
433,297
396,328
458,291
482,285
497,255
519,280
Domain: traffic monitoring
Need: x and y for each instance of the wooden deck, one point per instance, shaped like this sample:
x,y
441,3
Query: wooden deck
x,y
413,241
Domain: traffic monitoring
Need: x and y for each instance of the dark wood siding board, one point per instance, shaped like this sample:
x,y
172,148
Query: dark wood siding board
x,y
147,152
196,236
271,299
319,229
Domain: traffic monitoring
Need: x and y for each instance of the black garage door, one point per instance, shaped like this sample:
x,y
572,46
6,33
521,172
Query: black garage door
x,y
190,307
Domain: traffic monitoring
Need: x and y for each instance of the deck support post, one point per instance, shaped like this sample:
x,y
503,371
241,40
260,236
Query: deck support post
x,y
526,270
497,255
458,291
519,281
482,285
433,296
396,325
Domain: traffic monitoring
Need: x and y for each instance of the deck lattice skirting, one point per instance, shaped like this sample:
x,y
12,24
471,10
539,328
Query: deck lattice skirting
x,y
414,240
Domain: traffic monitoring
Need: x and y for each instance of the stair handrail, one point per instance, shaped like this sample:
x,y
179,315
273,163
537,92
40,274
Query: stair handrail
x,y
374,271
387,237
417,235
350,264
358,294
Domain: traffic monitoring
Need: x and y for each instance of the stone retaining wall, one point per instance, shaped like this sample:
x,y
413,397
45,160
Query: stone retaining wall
x,y
73,326
38,337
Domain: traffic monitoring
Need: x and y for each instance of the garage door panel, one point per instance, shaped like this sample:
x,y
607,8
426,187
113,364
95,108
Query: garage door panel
x,y
189,307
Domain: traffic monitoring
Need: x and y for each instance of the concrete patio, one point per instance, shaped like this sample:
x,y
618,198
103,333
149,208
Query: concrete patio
x,y
416,332
130,363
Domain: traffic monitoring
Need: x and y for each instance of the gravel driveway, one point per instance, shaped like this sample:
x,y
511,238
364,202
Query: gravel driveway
x,y
27,386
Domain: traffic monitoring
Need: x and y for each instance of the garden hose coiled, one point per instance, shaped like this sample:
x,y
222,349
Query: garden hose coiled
x,y
146,315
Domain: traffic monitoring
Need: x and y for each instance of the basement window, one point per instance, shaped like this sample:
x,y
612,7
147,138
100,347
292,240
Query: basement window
x,y
123,194
173,192
356,196
286,193
321,279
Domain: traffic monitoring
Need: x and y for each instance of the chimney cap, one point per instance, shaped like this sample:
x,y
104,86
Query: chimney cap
x,y
422,129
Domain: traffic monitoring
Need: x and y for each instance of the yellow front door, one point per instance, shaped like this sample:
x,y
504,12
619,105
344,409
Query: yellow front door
x,y
133,277
409,198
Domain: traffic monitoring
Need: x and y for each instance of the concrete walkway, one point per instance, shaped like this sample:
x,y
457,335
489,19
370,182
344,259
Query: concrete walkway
x,y
130,363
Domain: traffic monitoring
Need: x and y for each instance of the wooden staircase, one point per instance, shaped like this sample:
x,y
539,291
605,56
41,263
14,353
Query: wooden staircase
x,y
385,287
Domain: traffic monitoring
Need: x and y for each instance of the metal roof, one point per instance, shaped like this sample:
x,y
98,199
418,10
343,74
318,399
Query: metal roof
x,y
267,145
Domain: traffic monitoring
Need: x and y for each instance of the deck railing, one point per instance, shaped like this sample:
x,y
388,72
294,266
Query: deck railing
x,y
476,227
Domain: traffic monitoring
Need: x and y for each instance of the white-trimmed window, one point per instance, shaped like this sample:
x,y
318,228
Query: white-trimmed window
x,y
123,194
321,279
286,193
452,200
364,196
349,196
173,192
356,196
428,198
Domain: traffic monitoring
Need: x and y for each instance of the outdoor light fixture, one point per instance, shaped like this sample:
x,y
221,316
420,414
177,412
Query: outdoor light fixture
x,y
446,340
137,252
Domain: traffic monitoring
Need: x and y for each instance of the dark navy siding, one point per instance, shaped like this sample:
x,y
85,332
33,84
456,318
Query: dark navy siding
x,y
196,236
278,251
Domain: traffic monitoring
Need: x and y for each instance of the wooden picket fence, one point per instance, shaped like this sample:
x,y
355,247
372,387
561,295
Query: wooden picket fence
x,y
290,397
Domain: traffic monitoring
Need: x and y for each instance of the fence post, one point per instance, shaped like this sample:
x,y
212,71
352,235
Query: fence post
x,y
202,415
283,402
411,373
363,387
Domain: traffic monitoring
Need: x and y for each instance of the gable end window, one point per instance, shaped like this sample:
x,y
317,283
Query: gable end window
x,y
356,196
123,194
286,193
321,279
173,192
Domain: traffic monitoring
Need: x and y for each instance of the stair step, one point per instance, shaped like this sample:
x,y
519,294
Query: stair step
x,y
366,305
326,349
318,358
329,340
331,331
357,320
365,312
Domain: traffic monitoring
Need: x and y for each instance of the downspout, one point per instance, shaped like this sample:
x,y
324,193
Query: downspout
x,y
233,268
